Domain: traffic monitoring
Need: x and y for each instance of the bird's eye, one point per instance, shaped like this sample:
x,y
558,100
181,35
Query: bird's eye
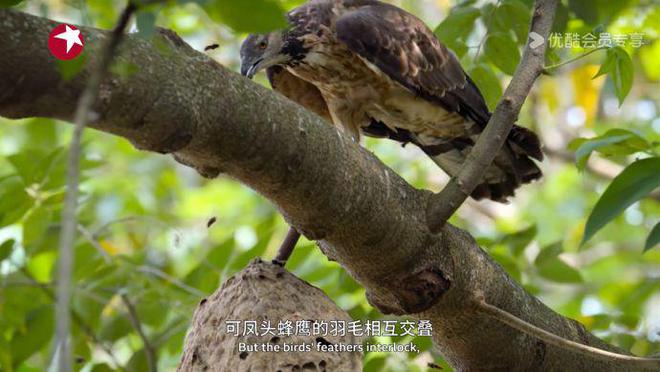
x,y
263,45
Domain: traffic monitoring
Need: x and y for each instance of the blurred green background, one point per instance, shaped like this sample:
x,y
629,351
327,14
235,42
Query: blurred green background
x,y
143,218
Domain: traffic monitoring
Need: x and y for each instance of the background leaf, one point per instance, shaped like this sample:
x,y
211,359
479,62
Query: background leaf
x,y
654,238
635,182
9,3
6,248
614,142
503,52
488,83
619,66
258,16
454,29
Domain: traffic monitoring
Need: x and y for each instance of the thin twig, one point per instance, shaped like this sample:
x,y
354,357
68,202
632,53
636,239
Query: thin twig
x,y
552,339
443,205
172,280
101,230
487,24
90,238
62,352
560,64
170,331
286,249
146,344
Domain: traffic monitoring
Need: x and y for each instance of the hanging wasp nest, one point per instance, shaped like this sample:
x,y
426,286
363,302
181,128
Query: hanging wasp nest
x,y
265,292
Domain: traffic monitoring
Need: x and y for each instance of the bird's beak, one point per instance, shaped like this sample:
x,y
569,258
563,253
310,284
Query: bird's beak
x,y
249,71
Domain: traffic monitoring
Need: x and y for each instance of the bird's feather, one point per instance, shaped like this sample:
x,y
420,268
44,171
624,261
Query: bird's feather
x,y
405,54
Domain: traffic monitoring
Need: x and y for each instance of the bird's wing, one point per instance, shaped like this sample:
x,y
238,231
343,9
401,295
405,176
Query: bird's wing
x,y
298,90
401,46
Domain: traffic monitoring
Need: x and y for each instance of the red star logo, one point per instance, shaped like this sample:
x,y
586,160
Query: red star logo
x,y
65,42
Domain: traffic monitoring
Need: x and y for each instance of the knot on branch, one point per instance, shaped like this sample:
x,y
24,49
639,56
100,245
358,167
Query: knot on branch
x,y
174,142
415,293
208,172
422,290
173,37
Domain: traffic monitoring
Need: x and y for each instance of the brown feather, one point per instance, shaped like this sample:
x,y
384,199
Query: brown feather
x,y
298,90
381,70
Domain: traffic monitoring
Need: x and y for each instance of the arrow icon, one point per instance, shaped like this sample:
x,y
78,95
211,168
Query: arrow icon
x,y
537,40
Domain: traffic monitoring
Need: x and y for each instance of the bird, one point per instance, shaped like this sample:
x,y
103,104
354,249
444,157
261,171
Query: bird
x,y
371,68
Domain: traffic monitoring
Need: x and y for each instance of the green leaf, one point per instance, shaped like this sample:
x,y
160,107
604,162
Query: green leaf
x,y
548,253
503,52
595,12
557,270
150,308
38,331
631,185
614,142
42,133
561,18
488,83
35,225
511,15
15,201
375,364
619,66
654,238
102,368
9,3
124,69
72,67
508,264
518,241
114,328
584,10
457,27
6,248
138,361
146,24
347,283
258,16
35,165
552,267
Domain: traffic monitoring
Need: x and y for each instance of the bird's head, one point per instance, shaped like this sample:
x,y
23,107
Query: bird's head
x,y
261,51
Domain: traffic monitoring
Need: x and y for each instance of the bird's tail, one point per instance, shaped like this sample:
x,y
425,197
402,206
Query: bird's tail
x,y
512,167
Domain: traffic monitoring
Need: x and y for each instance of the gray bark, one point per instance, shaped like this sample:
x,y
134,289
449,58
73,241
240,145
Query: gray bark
x,y
361,213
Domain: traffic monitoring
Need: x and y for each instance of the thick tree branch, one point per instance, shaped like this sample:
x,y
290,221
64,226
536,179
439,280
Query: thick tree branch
x,y
360,212
444,204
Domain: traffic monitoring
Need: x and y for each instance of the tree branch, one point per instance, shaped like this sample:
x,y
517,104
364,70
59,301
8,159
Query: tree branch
x,y
62,353
444,204
515,322
361,213
150,352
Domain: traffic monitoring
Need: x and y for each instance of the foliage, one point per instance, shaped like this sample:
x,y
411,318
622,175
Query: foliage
x,y
619,65
144,234
634,183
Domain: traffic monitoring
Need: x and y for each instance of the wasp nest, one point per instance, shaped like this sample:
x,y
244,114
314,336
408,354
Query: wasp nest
x,y
223,336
